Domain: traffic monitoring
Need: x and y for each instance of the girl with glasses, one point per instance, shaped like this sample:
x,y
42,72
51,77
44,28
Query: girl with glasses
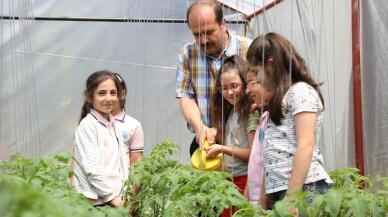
x,y
234,122
255,189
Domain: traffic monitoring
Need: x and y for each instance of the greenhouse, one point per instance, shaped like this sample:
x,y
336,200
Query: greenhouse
x,y
50,48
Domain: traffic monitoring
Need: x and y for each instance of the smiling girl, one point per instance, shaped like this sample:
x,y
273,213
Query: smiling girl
x,y
102,165
292,159
255,189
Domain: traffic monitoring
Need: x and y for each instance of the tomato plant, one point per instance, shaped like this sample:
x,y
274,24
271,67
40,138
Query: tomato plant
x,y
41,187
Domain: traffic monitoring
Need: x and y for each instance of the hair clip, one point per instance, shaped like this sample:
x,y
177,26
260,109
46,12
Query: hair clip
x,y
120,79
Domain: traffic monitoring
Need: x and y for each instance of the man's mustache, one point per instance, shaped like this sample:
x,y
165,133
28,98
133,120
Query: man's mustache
x,y
207,45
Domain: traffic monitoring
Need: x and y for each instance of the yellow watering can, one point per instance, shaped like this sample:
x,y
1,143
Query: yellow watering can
x,y
208,164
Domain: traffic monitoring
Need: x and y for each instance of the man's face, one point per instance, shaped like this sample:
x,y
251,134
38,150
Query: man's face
x,y
207,32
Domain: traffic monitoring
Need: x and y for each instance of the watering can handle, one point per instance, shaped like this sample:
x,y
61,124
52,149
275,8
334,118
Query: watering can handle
x,y
203,153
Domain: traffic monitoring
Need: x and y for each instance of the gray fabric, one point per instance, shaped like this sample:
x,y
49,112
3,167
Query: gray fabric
x,y
374,77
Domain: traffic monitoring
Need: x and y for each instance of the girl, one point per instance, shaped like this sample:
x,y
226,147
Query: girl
x,y
232,105
102,167
292,159
131,129
255,189
132,133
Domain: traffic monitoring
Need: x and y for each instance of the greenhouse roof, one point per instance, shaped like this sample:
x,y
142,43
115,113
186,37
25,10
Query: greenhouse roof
x,y
248,7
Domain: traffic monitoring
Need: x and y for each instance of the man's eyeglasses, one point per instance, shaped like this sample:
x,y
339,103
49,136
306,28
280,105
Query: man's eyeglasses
x,y
225,88
251,82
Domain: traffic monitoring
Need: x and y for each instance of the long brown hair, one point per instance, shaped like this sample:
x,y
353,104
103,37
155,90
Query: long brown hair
x,y
220,107
92,83
287,68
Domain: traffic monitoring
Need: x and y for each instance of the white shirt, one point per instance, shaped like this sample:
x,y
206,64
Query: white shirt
x,y
101,163
280,141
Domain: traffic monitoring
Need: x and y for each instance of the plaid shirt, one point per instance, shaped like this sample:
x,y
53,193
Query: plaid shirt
x,y
197,72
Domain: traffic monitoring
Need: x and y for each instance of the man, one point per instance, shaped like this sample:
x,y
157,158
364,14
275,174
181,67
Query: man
x,y
198,65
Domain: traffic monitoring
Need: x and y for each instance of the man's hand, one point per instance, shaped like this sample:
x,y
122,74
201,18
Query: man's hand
x,y
211,136
205,133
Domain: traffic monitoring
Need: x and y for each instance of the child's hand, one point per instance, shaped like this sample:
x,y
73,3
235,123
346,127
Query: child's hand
x,y
116,202
246,192
213,150
294,211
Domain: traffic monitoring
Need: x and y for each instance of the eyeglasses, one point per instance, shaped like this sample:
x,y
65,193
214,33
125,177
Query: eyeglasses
x,y
251,82
225,88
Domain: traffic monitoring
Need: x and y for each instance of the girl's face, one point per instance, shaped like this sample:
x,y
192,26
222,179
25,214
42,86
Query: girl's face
x,y
104,97
255,86
231,86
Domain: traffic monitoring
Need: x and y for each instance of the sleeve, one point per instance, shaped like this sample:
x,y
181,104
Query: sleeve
x,y
303,98
252,122
184,86
137,140
91,152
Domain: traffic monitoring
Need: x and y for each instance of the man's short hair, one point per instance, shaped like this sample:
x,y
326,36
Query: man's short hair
x,y
217,9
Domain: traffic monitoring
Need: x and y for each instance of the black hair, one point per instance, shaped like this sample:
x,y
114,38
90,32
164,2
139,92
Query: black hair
x,y
124,89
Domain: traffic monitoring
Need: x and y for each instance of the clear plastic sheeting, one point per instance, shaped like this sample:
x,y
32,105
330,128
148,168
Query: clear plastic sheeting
x,y
327,50
44,65
374,71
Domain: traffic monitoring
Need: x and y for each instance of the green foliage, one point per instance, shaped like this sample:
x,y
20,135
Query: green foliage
x,y
350,195
172,189
31,188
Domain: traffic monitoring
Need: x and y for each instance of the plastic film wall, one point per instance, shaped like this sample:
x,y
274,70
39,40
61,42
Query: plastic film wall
x,y
322,32
374,78
45,63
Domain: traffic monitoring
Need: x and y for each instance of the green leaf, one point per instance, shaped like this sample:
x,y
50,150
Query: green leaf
x,y
359,207
334,202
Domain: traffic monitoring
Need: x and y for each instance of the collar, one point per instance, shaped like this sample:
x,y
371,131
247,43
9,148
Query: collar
x,y
120,117
102,120
232,46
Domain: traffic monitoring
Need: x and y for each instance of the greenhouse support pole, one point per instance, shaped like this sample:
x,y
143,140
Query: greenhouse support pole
x,y
357,97
266,7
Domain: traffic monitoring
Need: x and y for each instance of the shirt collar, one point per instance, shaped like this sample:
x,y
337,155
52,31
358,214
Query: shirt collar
x,y
102,120
231,48
120,117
